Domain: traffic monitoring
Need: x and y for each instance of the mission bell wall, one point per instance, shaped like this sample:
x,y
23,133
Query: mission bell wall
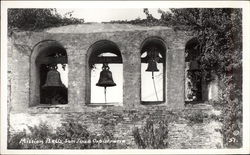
x,y
22,44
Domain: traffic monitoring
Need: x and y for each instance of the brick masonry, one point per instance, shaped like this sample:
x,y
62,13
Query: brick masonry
x,y
184,133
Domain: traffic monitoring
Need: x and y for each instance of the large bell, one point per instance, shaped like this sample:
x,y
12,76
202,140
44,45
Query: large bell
x,y
152,66
53,79
106,79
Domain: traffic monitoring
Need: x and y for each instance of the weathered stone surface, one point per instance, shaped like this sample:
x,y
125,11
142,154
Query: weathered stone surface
x,y
183,133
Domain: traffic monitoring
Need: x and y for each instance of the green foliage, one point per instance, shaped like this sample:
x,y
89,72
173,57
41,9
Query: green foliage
x,y
218,30
152,136
70,135
38,19
14,140
39,133
197,117
219,33
149,21
231,102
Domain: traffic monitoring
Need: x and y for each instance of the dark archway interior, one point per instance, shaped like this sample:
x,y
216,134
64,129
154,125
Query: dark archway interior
x,y
52,54
101,47
194,73
49,58
158,45
192,50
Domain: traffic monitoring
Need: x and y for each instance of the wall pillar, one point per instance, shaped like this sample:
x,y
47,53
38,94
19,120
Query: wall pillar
x,y
176,75
76,79
132,76
19,77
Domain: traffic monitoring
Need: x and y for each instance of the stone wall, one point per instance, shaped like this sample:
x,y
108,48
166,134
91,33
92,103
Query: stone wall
x,y
187,128
120,119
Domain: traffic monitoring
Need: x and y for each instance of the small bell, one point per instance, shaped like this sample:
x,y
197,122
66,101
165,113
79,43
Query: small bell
x,y
106,79
53,79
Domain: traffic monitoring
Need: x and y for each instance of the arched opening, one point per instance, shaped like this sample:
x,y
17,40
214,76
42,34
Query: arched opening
x,y
193,73
49,74
153,71
105,74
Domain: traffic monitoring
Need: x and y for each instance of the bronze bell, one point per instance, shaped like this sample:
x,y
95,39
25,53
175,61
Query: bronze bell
x,y
152,56
152,66
106,79
53,79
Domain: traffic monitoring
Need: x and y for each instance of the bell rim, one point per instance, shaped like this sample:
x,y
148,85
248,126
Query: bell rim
x,y
102,85
152,70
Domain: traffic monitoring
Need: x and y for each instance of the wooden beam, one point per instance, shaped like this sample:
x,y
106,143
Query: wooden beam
x,y
145,60
49,60
100,60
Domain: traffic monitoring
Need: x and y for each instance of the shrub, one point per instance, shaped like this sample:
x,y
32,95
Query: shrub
x,y
152,136
14,140
37,133
196,116
38,19
231,102
70,135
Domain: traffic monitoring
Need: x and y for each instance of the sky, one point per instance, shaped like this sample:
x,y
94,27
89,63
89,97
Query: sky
x,y
108,14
